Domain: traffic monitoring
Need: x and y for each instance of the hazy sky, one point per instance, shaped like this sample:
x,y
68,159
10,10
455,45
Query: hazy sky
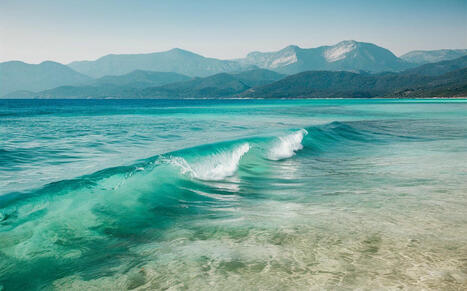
x,y
63,31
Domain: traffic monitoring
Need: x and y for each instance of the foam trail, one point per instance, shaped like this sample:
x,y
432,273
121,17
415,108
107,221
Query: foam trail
x,y
215,167
287,145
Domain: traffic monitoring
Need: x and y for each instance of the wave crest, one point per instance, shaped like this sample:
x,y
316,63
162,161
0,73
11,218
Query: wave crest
x,y
287,145
215,167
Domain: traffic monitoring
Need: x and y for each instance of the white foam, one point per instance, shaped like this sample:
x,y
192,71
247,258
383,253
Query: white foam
x,y
286,146
215,167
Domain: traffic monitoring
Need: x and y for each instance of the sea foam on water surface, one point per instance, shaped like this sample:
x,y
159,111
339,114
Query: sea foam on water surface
x,y
286,146
224,164
215,167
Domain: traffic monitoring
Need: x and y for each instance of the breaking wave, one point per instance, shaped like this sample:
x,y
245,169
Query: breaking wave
x,y
286,146
215,167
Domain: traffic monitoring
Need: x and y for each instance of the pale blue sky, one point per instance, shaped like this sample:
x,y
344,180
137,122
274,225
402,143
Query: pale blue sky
x,y
64,31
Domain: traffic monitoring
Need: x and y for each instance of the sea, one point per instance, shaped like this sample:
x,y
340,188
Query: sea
x,y
319,194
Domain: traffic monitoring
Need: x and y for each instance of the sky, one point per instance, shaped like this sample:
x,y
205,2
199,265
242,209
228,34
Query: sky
x,y
67,30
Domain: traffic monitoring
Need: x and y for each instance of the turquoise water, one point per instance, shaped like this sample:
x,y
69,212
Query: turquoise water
x,y
233,194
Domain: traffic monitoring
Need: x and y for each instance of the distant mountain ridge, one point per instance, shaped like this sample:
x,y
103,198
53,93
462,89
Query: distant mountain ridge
x,y
332,84
175,60
222,84
439,68
112,86
448,78
424,57
140,79
345,56
16,75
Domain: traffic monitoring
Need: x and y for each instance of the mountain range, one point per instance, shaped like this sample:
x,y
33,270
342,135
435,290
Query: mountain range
x,y
447,78
175,60
344,56
177,73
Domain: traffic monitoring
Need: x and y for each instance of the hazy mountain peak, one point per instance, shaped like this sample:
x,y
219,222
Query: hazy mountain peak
x,y
49,62
340,50
52,65
273,60
291,48
21,63
18,75
176,49
182,52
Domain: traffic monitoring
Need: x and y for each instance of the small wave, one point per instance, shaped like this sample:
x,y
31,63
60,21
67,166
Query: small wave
x,y
287,145
215,167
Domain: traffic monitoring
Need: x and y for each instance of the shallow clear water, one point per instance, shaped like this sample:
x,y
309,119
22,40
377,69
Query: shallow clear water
x,y
233,194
